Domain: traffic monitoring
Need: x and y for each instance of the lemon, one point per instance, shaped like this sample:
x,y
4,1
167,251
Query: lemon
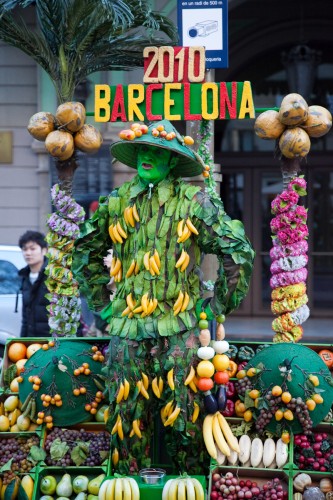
x,y
4,423
205,369
11,403
221,362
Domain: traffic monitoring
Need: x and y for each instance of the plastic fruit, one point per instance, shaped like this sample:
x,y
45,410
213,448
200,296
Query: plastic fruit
x,y
72,115
221,362
221,378
64,487
20,365
277,390
11,403
204,384
32,348
80,483
94,484
314,379
48,485
14,385
205,369
286,397
16,351
23,423
99,417
40,125
4,423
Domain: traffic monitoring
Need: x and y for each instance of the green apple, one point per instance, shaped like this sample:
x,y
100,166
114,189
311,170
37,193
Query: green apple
x,y
99,417
48,485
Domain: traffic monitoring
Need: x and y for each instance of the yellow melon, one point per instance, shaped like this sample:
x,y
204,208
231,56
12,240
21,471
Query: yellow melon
x,y
294,143
60,144
268,125
293,110
318,122
71,115
40,125
88,139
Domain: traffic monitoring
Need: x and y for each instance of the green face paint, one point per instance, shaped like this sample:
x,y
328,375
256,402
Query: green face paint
x,y
153,163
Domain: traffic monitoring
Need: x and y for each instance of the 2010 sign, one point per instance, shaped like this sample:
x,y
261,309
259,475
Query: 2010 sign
x,y
174,64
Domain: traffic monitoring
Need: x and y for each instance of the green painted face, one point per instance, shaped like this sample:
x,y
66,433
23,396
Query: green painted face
x,y
154,163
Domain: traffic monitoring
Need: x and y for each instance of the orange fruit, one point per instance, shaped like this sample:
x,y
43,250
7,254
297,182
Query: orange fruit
x,y
17,351
247,416
20,365
14,385
278,415
32,349
317,398
286,397
254,394
288,415
311,404
221,362
205,369
277,390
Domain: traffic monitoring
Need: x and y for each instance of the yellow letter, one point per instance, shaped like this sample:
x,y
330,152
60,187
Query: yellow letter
x,y
247,106
168,102
133,108
102,103
215,101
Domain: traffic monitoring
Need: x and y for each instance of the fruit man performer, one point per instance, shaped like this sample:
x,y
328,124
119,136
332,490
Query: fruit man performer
x,y
158,227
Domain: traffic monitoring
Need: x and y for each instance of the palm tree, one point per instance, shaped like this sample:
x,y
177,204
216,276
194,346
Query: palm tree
x,y
76,38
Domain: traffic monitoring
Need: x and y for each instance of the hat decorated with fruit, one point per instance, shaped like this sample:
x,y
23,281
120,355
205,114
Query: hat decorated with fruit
x,y
161,134
61,383
287,388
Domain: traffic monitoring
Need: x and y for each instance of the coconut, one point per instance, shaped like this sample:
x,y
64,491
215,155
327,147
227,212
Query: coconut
x,y
60,144
318,122
71,115
268,125
294,143
293,110
40,125
88,139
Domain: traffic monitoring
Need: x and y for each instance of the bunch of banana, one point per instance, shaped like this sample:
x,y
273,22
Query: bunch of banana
x,y
125,488
181,303
183,488
169,413
116,269
218,436
152,262
123,391
185,229
117,233
143,385
157,386
131,215
135,431
118,428
133,268
131,303
183,261
147,306
191,380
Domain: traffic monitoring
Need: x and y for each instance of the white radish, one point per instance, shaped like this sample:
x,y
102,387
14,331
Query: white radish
x,y
257,451
245,448
221,457
269,452
281,453
233,458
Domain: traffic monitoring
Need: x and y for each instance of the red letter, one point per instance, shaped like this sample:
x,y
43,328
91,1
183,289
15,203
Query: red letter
x,y
224,99
118,108
149,91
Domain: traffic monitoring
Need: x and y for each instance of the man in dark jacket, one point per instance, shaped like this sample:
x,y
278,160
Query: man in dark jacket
x,y
34,312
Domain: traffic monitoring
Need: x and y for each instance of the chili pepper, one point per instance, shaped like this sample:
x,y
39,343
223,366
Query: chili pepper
x,y
229,409
231,391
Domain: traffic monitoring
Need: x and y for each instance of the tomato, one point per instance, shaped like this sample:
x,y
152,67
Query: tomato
x,y
204,384
327,356
221,378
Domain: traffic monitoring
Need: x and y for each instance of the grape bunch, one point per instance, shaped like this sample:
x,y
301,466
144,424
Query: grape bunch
x,y
232,488
302,413
313,451
16,449
242,385
97,447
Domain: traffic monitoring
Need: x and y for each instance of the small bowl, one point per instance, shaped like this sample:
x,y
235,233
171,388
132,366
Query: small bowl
x,y
152,476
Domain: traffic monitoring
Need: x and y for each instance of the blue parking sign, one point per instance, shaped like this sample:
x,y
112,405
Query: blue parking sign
x,y
205,23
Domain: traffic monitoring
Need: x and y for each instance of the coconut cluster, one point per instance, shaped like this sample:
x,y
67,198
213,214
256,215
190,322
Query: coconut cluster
x,y
66,131
293,125
289,259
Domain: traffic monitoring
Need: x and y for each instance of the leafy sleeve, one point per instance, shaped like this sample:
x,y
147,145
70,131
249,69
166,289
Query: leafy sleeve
x,y
225,238
90,248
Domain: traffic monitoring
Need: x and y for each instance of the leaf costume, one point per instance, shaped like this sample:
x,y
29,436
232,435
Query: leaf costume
x,y
166,339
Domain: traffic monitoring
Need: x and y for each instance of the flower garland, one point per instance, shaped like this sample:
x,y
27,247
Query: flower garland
x,y
65,305
289,258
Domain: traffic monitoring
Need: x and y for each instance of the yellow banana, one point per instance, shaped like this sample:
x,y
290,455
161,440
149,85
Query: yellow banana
x,y
130,315
104,487
135,213
185,302
118,276
185,234
144,391
111,234
150,307
219,438
163,417
134,488
207,432
115,457
172,417
126,216
199,491
165,492
130,301
115,427
190,376
155,388
160,385
131,269
191,226
196,412
146,261
227,432
126,311
189,488
121,231
185,263
181,493
137,269
117,235
167,408
120,430
180,227
27,484
136,428
193,386
157,259
126,389
138,310
132,433
110,489
115,269
144,303
120,394
129,216
118,490
145,380
181,259
179,301
171,381
153,266
172,495
126,489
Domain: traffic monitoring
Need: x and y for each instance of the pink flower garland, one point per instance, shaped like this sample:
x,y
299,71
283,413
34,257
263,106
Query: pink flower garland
x,y
289,258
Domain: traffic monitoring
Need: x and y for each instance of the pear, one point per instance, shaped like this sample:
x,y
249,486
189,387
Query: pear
x,y
81,496
92,497
46,497
48,485
80,483
94,484
64,487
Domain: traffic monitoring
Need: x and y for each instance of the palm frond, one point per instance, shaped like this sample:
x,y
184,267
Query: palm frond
x,y
52,20
7,5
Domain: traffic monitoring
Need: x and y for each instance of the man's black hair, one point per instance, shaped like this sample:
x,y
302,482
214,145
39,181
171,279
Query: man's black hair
x,y
35,237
